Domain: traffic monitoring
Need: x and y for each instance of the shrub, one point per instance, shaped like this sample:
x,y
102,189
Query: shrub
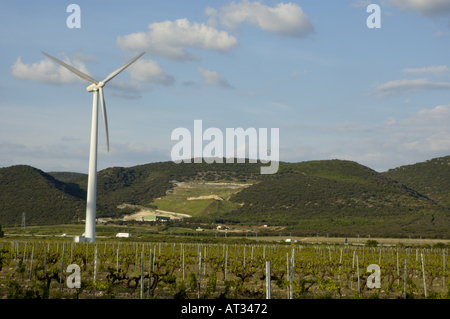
x,y
16,291
371,243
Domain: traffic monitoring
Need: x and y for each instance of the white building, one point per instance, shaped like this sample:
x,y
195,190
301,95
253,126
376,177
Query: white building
x,y
126,235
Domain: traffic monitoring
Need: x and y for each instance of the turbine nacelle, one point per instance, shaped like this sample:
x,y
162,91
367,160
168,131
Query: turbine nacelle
x,y
92,88
95,87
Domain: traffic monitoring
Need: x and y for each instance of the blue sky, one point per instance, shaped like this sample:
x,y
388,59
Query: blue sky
x,y
335,88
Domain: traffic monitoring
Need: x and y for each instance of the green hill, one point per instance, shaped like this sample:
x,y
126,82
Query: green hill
x,y
431,178
339,198
44,200
67,177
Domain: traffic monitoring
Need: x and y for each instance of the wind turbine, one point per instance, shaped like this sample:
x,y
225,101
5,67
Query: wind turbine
x,y
95,87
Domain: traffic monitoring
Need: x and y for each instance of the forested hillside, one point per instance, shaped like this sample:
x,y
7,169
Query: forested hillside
x,y
352,200
431,178
44,200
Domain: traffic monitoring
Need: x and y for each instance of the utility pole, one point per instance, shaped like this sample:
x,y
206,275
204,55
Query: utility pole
x,y
23,221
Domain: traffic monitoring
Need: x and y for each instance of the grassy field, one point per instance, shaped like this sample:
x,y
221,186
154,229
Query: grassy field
x,y
178,234
352,241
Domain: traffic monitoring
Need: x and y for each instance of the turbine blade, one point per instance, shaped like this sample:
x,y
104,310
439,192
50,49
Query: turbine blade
x,y
79,73
105,120
123,67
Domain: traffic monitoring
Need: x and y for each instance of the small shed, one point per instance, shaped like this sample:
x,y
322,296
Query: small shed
x,y
125,235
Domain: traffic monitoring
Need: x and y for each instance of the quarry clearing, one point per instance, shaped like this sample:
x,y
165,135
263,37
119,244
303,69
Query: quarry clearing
x,y
144,211
214,185
183,193
205,197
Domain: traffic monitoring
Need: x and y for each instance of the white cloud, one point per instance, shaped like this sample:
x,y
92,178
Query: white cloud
x,y
213,78
425,131
408,86
436,142
212,13
439,115
429,8
170,39
149,71
286,19
439,142
48,71
436,70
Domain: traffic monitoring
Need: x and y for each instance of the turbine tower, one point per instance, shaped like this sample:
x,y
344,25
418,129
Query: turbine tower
x,y
95,87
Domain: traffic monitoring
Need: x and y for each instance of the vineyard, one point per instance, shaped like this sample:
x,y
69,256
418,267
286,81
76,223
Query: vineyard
x,y
131,270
